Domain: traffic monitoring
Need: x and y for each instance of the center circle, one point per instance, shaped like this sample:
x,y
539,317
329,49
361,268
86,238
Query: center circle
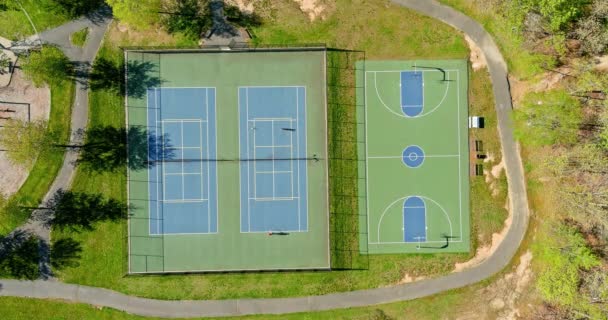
x,y
413,156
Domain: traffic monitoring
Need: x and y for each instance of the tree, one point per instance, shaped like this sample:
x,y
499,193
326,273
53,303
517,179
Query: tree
x,y
546,118
190,17
24,140
77,8
49,66
562,257
560,13
138,13
592,30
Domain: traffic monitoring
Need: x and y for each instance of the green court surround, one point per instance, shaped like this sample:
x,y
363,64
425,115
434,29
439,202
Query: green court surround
x,y
229,249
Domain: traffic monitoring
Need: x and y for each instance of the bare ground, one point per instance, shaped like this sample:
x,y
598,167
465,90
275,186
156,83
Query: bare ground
x,y
486,251
478,60
24,91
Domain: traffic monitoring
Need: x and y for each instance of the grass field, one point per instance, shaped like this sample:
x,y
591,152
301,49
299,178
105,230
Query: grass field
x,y
15,25
385,32
79,38
48,163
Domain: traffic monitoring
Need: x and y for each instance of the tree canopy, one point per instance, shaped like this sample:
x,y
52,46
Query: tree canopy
x,y
24,140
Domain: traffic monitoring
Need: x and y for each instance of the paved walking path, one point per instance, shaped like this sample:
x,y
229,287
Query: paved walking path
x,y
492,265
82,58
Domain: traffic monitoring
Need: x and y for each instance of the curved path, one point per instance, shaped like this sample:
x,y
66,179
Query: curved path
x,y
504,253
81,58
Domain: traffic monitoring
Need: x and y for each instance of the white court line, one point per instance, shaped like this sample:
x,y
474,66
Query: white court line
x,y
181,120
248,164
412,106
272,154
200,153
183,182
274,198
425,156
185,200
277,146
207,164
183,174
459,152
297,132
367,160
410,243
399,71
273,172
272,119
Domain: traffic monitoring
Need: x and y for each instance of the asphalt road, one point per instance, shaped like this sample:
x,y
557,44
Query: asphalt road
x,y
201,308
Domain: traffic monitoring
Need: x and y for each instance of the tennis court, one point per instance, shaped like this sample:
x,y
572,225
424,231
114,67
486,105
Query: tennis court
x,y
273,131
416,152
236,175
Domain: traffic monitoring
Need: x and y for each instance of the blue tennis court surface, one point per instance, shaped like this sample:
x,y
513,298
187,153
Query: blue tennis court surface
x,y
414,220
182,186
272,131
411,93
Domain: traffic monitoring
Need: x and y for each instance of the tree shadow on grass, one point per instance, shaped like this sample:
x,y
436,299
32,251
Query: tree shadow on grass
x,y
105,149
65,252
20,256
79,211
109,75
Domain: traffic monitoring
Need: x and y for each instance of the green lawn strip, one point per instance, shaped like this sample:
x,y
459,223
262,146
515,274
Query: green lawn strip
x,y
44,14
394,32
79,38
488,211
48,163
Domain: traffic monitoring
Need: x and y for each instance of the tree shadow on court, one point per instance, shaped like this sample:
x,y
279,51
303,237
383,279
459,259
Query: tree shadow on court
x,y
79,211
65,252
105,149
109,75
20,256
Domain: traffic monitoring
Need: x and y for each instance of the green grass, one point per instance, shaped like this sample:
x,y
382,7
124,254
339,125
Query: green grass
x,y
79,38
48,163
15,25
103,261
487,210
521,62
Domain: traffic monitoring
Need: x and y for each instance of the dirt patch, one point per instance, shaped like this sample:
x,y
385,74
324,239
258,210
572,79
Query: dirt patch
x,y
602,63
518,90
313,8
246,6
20,90
478,60
551,80
486,251
407,279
